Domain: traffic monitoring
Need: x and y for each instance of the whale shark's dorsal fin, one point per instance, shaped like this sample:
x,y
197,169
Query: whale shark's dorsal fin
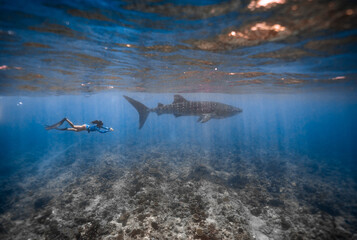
x,y
179,98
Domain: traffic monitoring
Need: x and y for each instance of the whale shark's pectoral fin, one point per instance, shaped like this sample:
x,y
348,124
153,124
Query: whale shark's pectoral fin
x,y
204,118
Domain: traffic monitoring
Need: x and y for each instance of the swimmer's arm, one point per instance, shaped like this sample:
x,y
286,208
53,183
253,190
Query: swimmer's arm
x,y
103,130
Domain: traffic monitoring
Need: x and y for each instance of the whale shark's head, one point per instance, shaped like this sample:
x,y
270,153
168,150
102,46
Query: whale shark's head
x,y
233,111
224,110
236,110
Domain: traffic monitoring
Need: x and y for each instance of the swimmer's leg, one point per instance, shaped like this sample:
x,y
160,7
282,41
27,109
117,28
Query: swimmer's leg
x,y
67,129
69,122
55,125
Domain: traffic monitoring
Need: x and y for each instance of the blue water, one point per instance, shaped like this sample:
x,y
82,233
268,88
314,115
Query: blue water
x,y
317,125
284,168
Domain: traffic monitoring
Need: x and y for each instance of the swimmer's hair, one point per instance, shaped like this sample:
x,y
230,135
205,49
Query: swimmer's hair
x,y
98,122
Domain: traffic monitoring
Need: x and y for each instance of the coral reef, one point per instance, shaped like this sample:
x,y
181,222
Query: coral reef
x,y
180,192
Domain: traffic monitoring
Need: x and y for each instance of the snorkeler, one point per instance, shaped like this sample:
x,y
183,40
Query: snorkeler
x,y
78,128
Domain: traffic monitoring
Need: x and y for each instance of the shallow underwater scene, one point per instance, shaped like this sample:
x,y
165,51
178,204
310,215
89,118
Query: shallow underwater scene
x,y
230,119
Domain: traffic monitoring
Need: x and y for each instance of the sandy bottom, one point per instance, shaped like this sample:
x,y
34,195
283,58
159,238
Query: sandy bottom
x,y
180,192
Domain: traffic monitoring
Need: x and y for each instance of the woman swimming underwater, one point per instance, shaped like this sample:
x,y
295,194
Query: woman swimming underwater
x,y
78,128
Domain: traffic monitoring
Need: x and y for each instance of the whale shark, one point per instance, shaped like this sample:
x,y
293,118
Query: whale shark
x,y
205,110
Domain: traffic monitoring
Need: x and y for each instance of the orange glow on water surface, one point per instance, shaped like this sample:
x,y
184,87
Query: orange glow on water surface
x,y
238,34
265,26
339,78
349,12
4,67
264,3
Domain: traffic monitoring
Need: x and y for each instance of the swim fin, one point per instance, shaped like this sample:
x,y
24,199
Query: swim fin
x,y
55,125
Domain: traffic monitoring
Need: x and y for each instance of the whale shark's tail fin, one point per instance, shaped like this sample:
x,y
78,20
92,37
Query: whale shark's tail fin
x,y
142,110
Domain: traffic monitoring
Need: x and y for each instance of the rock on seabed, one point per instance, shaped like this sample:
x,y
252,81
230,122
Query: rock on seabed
x,y
154,194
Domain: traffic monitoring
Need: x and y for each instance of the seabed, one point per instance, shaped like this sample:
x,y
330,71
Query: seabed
x,y
177,192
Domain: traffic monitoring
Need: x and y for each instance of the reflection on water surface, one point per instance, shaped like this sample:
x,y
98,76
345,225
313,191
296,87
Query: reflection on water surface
x,y
168,46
